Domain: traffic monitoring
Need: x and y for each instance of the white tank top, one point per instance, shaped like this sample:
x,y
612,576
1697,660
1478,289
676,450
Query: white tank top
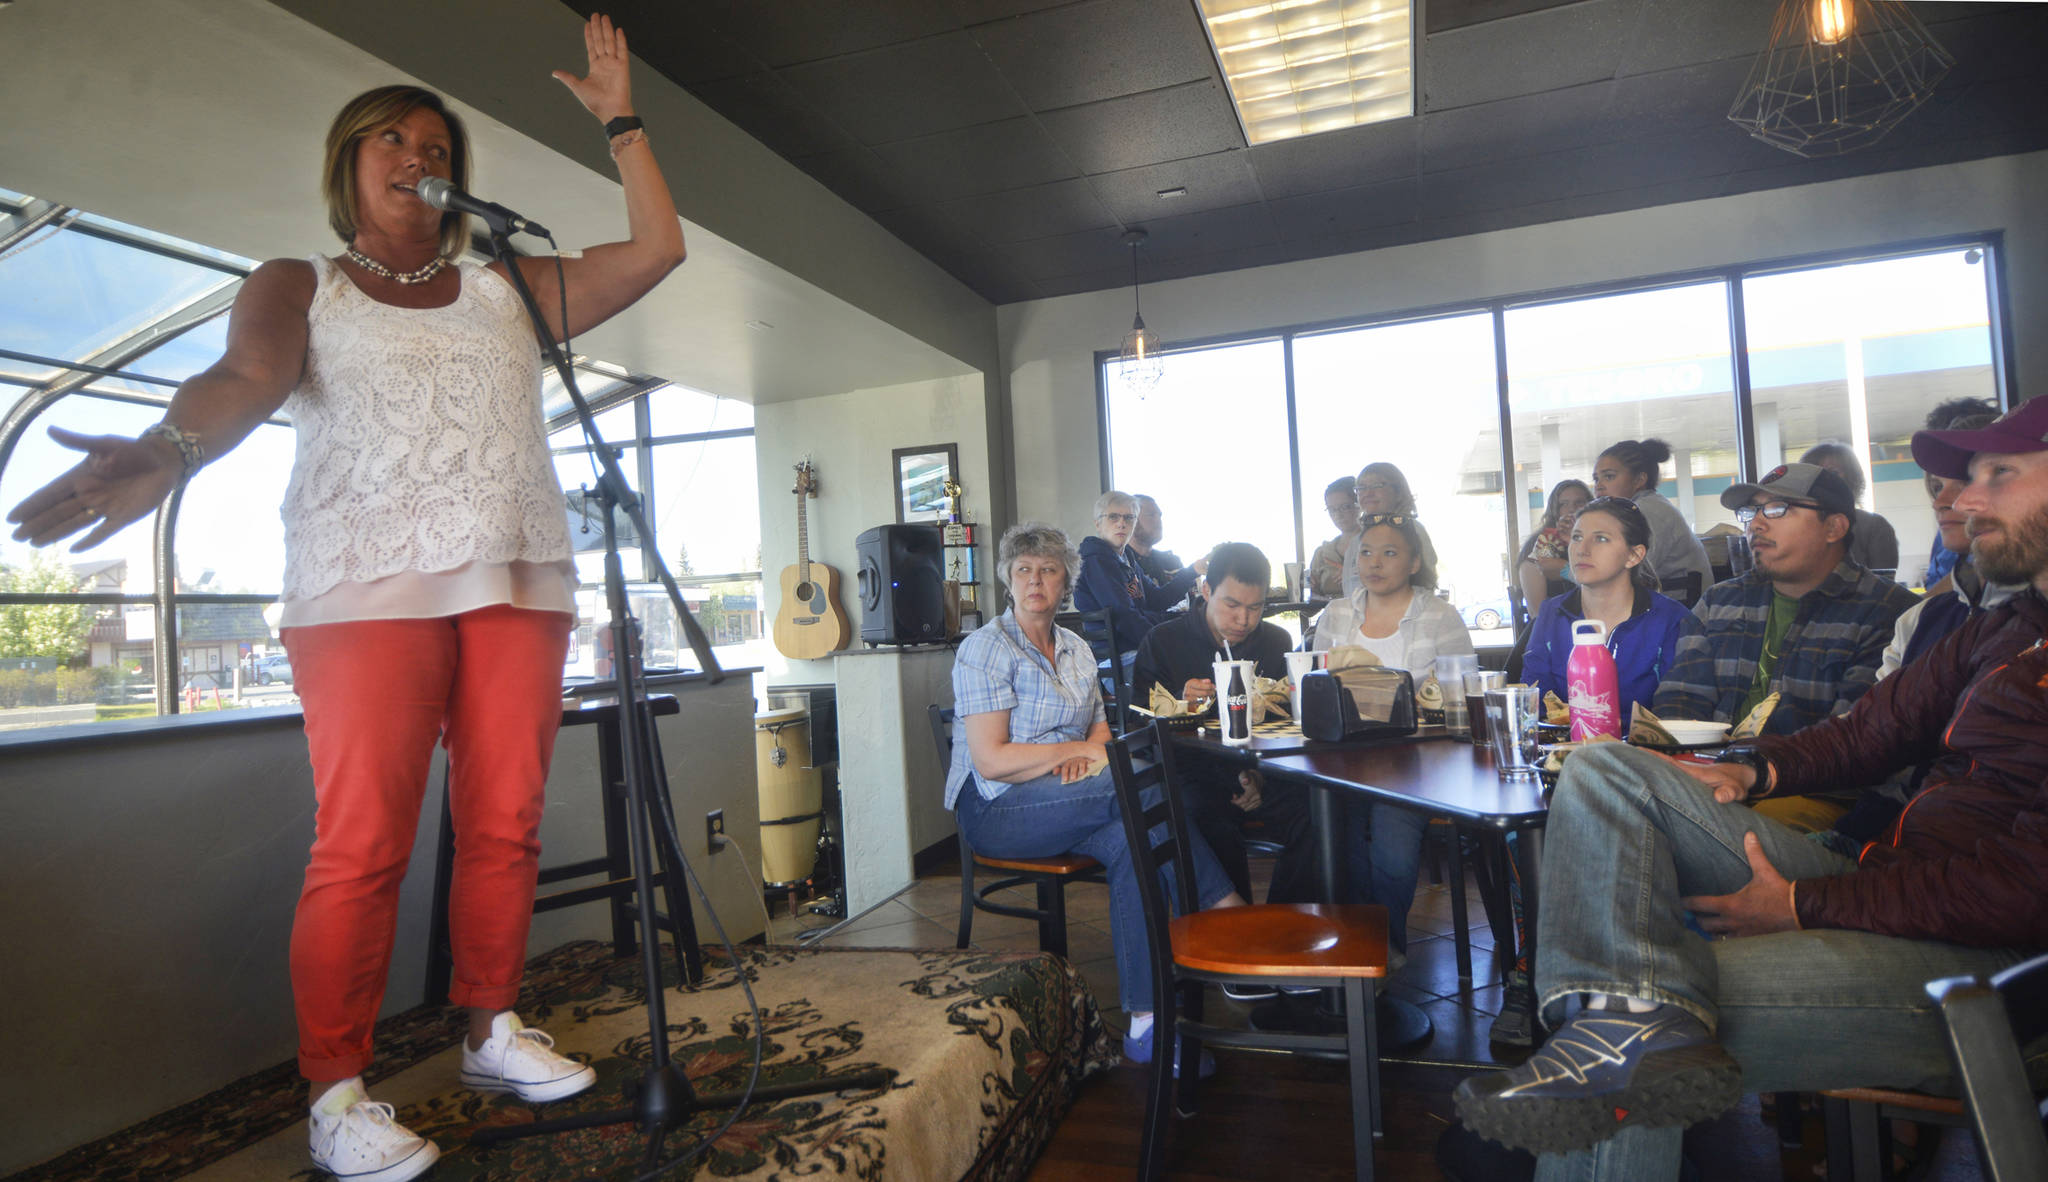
x,y
422,484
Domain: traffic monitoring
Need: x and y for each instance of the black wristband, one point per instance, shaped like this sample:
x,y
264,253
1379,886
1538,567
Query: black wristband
x,y
1749,756
621,125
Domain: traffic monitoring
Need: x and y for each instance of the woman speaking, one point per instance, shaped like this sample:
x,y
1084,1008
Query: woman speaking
x,y
428,588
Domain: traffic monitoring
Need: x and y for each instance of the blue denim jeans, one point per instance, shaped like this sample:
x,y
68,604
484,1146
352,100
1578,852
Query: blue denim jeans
x,y
1043,817
1383,866
1628,836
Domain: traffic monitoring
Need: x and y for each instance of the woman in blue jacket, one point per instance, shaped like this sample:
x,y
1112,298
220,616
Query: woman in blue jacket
x,y
1110,577
1610,539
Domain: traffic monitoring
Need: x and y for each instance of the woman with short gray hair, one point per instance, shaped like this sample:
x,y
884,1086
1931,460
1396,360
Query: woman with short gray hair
x,y
1111,578
1028,742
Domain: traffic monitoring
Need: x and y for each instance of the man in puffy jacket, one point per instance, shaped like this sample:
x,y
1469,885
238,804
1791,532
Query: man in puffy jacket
x,y
1823,945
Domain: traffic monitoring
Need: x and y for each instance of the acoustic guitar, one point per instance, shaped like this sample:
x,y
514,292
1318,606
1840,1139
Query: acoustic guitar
x,y
810,623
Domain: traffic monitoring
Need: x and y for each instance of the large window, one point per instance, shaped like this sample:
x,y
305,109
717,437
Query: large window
x,y
100,321
1854,350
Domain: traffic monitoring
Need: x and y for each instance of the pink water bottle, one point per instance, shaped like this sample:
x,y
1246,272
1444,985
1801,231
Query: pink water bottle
x,y
1593,685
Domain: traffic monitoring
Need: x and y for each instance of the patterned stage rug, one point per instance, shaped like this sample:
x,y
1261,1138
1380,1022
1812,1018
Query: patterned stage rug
x,y
986,1051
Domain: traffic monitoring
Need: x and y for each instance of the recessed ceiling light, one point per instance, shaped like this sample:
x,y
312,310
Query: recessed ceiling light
x,y
1297,67
759,325
1170,194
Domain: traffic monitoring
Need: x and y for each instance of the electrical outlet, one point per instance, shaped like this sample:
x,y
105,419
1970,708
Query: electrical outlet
x,y
714,830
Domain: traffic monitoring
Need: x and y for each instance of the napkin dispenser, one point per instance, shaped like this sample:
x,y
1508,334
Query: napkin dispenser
x,y
1360,701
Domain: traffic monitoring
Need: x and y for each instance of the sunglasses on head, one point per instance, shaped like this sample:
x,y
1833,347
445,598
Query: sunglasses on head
x,y
1372,519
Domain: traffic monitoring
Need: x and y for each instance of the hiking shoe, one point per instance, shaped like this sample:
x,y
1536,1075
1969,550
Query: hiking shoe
x,y
1237,991
363,1144
522,1061
1604,1071
1138,1049
1515,1025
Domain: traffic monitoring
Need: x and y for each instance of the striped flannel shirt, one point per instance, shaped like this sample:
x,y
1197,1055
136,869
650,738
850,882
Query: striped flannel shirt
x,y
1830,655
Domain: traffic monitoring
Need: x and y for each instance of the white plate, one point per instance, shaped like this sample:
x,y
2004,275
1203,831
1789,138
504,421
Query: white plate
x,y
1693,733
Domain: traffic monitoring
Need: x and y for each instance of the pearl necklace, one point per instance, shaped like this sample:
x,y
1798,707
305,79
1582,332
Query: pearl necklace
x,y
378,269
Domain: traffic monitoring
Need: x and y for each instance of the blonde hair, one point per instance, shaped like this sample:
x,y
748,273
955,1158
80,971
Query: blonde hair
x,y
373,111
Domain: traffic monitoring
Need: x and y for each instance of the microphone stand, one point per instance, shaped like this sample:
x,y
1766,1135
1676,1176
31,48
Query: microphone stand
x,y
663,1099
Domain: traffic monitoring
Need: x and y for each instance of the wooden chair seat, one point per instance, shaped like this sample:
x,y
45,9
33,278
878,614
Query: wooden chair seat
x,y
1066,865
1284,940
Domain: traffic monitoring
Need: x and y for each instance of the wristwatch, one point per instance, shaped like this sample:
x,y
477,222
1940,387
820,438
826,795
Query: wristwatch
x,y
1749,755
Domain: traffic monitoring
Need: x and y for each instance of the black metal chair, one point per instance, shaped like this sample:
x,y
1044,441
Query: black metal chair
x,y
1050,877
1098,628
1686,589
1989,1023
1308,945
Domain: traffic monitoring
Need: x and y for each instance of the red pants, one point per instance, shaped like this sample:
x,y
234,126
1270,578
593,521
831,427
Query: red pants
x,y
377,694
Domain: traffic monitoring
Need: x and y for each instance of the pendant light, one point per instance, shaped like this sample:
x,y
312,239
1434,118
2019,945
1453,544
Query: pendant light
x,y
1141,364
1837,75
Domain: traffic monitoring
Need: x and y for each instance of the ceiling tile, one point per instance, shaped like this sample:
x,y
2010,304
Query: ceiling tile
x,y
1541,51
995,278
1665,34
2004,40
1337,159
1084,53
1498,185
860,178
1191,120
1522,126
1456,14
673,39
1212,182
1676,99
1206,233
1615,201
1345,211
1070,254
1230,259
1635,164
908,90
784,32
769,109
1042,211
1009,154
1059,285
930,231
975,12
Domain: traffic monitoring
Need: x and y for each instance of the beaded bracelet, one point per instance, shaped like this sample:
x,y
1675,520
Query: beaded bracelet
x,y
627,140
190,451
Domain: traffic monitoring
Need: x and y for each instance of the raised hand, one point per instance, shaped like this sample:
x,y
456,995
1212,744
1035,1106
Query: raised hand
x,y
120,481
607,90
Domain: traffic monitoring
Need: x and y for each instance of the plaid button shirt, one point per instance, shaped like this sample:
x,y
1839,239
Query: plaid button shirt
x,y
1830,656
996,668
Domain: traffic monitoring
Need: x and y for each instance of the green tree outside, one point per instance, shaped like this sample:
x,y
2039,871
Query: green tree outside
x,y
42,630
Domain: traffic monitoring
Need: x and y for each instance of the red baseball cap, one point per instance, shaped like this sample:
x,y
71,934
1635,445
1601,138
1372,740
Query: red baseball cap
x,y
1947,453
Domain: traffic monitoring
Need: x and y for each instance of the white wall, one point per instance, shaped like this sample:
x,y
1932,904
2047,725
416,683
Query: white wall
x,y
1048,346
849,438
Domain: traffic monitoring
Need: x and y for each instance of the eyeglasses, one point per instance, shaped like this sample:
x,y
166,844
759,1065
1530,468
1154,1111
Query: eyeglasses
x,y
1121,518
1380,487
1770,509
1372,519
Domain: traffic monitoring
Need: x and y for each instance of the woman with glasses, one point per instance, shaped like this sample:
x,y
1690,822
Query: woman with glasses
x,y
1632,469
1381,489
1028,736
1326,568
1543,564
1405,626
1111,578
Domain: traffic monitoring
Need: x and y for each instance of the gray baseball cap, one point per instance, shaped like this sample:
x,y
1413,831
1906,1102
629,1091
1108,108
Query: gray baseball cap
x,y
1808,484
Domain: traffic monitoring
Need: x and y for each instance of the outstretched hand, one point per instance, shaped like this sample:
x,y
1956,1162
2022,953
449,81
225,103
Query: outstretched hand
x,y
607,90
1759,908
120,481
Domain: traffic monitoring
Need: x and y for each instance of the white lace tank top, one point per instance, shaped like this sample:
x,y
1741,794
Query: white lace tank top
x,y
422,481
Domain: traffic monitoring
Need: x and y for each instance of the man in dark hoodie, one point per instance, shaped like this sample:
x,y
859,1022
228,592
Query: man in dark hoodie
x,y
1816,979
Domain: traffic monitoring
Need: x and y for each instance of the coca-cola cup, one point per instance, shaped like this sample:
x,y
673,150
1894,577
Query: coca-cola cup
x,y
1240,734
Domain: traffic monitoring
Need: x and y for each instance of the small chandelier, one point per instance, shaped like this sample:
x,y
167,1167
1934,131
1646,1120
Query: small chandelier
x,y
1837,75
1141,364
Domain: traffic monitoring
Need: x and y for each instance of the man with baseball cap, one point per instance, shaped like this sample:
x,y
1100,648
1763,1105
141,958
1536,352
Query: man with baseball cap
x,y
1817,977
1806,623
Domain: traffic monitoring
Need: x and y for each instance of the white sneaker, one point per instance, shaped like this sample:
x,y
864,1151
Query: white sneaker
x,y
522,1061
363,1144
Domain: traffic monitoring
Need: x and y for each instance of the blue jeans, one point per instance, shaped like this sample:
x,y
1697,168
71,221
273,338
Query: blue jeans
x,y
1628,836
1384,866
1043,817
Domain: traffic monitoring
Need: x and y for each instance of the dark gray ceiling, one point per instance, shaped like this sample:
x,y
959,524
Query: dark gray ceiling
x,y
1013,141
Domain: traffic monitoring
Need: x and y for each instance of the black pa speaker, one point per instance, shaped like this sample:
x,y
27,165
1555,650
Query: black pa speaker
x,y
902,587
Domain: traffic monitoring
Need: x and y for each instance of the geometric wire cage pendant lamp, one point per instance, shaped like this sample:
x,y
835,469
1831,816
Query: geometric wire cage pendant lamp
x,y
1140,364
1837,75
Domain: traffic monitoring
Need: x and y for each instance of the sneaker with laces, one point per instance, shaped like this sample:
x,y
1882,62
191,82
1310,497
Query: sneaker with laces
x,y
1515,1025
362,1143
1604,1071
1246,991
521,1060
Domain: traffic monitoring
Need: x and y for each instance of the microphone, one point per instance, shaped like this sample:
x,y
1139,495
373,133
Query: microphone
x,y
437,192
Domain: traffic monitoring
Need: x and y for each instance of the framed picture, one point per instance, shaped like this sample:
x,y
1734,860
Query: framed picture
x,y
921,474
